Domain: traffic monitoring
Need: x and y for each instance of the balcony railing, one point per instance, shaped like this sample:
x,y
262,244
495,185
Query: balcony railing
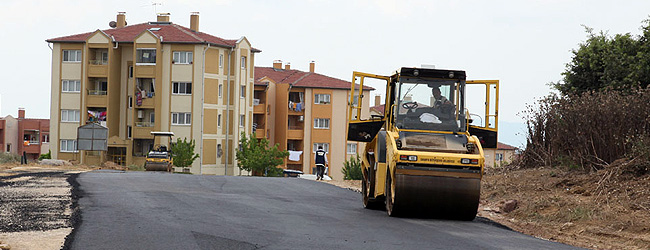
x,y
98,62
144,124
97,92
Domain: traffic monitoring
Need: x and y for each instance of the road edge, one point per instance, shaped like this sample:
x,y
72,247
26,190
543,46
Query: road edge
x,y
75,218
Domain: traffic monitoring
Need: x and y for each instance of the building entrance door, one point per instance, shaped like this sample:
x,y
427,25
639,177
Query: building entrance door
x,y
117,155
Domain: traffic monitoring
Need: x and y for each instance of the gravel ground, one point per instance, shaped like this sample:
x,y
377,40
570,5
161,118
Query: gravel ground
x,y
36,207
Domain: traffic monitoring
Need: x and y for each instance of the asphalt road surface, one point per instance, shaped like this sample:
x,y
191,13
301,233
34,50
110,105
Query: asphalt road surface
x,y
145,210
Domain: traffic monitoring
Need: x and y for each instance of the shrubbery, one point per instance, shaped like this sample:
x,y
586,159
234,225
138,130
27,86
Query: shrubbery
x,y
9,158
352,169
590,130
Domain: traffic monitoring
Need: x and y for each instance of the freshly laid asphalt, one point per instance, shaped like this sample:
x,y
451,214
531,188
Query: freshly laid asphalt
x,y
145,210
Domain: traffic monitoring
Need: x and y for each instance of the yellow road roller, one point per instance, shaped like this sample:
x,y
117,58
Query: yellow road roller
x,y
424,155
160,158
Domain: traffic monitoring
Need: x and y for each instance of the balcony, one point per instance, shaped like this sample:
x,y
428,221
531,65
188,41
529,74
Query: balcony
x,y
295,133
142,132
260,133
259,109
97,70
145,71
97,98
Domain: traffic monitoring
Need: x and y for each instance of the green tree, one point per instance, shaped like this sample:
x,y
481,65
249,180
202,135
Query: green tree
x,y
255,155
45,156
183,152
352,168
619,62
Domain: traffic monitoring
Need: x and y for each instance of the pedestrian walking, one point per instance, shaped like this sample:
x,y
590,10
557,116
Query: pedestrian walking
x,y
321,162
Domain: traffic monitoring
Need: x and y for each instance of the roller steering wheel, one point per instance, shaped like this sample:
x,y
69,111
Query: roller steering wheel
x,y
410,106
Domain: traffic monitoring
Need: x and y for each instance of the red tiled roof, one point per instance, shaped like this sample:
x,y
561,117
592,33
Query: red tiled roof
x,y
171,33
505,146
301,79
379,108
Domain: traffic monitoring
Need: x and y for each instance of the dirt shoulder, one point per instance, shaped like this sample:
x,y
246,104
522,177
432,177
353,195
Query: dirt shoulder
x,y
607,209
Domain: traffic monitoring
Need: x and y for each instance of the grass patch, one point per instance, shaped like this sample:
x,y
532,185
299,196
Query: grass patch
x,y
136,168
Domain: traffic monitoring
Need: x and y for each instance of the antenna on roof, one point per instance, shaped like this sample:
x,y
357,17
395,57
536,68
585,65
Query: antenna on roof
x,y
112,24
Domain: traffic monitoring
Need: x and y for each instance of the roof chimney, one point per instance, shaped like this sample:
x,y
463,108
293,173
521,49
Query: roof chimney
x,y
277,64
121,19
163,17
194,21
377,100
21,113
287,66
312,66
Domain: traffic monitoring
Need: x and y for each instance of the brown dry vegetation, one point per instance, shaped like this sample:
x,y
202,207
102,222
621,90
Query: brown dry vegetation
x,y
604,209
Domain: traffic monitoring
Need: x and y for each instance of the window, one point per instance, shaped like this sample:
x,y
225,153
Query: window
x,y
70,115
146,56
182,88
322,123
182,57
220,89
352,148
129,132
8,147
220,60
68,146
219,120
498,157
104,58
181,118
243,62
322,99
72,55
71,86
326,146
130,71
219,150
130,102
242,120
242,91
46,138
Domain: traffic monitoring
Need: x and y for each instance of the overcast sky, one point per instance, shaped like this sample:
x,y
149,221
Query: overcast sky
x,y
524,44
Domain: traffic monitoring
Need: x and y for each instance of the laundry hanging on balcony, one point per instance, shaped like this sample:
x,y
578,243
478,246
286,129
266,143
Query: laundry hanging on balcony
x,y
294,155
96,116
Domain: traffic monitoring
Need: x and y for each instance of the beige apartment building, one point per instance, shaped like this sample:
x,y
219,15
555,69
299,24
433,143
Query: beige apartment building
x,y
300,111
154,76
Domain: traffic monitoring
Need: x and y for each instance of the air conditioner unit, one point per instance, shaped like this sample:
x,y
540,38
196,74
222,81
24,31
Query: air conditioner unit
x,y
301,118
140,114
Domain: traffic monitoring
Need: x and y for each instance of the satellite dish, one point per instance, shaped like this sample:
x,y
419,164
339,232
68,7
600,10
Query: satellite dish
x,y
113,24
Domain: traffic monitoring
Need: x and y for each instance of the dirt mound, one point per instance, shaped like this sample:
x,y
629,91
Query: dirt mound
x,y
607,208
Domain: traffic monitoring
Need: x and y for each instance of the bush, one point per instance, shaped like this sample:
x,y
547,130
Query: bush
x,y
45,156
590,130
352,168
183,152
9,158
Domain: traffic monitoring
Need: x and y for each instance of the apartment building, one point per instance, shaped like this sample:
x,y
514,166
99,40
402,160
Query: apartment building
x,y
154,76
300,111
18,135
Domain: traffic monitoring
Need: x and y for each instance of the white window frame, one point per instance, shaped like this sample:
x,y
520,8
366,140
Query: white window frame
x,y
177,86
220,90
67,144
67,58
130,104
318,121
65,114
243,62
322,99
176,118
219,120
350,147
242,92
183,57
220,60
498,157
129,132
242,120
46,138
137,58
66,84
326,147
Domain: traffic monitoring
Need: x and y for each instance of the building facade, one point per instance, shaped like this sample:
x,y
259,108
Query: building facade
x,y
155,76
503,154
300,111
18,135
